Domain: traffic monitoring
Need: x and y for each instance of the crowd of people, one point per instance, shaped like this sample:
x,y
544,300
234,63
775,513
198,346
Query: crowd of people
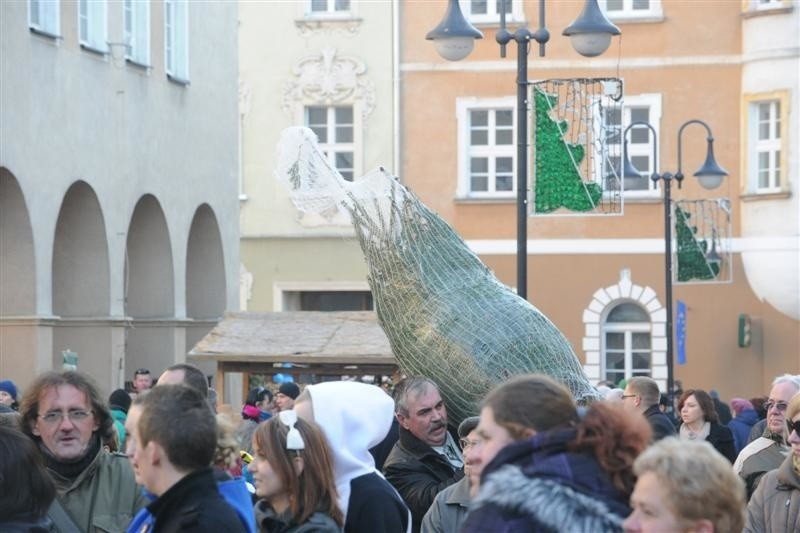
x,y
348,456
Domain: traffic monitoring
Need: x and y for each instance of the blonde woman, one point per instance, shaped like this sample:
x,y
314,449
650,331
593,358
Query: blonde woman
x,y
685,486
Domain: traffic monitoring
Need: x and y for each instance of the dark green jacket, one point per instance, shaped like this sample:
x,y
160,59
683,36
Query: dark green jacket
x,y
104,497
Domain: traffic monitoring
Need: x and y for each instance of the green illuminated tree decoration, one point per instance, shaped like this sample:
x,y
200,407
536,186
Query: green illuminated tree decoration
x,y
691,253
558,180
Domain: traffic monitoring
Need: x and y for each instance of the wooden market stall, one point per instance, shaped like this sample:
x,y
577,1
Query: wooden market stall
x,y
311,346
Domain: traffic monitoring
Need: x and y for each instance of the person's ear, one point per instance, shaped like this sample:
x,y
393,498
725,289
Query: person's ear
x,y
401,420
299,465
154,453
35,428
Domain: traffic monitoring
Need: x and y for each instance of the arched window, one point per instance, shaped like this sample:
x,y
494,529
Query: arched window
x,y
627,347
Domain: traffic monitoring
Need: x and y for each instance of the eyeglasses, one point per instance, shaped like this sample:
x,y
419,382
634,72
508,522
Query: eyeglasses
x,y
294,440
629,396
141,371
780,406
466,443
793,426
75,415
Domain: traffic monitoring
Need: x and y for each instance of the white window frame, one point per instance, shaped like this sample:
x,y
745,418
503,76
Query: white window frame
x,y
654,13
96,14
332,148
775,146
48,14
651,101
492,16
628,329
466,150
136,27
176,19
766,5
330,11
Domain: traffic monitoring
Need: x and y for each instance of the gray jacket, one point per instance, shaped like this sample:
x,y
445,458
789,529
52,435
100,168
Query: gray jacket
x,y
449,509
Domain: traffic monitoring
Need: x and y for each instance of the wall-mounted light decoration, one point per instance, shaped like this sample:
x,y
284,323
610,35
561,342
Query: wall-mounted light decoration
x,y
573,145
703,234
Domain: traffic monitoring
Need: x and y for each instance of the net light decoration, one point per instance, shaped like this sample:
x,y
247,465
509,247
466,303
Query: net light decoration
x,y
703,234
576,145
444,312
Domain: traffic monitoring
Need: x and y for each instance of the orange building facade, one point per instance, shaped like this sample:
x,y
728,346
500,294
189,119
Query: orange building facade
x,y
600,279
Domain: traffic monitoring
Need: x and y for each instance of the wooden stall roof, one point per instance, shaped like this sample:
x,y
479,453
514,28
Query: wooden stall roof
x,y
309,337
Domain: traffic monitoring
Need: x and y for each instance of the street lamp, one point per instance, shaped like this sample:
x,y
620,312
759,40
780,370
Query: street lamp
x,y
710,176
590,34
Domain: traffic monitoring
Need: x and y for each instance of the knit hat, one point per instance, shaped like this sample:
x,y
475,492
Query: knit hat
x,y
290,389
8,386
740,404
120,400
467,425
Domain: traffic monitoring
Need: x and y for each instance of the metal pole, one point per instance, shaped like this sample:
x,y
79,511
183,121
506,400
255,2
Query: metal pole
x,y
667,179
522,166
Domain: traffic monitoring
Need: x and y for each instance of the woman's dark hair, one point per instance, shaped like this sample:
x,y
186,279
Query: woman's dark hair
x,y
704,401
257,395
758,404
25,486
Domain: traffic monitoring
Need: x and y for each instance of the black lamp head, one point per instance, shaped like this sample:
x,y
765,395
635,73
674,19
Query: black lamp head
x,y
454,36
591,32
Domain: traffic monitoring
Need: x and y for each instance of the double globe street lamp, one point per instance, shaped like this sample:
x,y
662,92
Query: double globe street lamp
x,y
709,175
455,38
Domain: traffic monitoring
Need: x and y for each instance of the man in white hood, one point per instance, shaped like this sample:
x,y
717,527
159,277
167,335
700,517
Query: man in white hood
x,y
355,417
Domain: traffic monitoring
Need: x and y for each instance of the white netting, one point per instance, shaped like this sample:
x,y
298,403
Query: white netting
x,y
445,314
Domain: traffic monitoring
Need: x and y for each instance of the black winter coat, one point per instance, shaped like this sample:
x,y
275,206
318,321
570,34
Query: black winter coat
x,y
660,423
418,473
722,439
194,504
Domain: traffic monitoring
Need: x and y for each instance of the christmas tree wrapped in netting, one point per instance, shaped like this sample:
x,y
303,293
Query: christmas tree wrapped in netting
x,y
445,314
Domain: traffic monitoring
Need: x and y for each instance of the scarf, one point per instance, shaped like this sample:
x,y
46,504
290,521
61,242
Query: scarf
x,y
688,434
71,470
449,451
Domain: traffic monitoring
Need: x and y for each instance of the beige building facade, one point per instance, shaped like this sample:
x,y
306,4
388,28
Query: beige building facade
x,y
118,191
328,65
600,279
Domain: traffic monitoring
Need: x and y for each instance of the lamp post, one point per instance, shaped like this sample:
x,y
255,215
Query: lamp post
x,y
590,34
710,176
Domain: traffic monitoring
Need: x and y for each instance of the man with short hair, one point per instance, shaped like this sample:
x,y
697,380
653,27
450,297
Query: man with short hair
x,y
286,395
425,459
641,395
768,451
142,380
187,374
171,442
65,415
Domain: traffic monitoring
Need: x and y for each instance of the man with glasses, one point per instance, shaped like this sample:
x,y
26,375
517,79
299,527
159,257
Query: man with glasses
x,y
768,451
65,415
449,509
641,395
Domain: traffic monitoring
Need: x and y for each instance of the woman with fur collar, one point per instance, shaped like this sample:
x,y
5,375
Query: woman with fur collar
x,y
547,469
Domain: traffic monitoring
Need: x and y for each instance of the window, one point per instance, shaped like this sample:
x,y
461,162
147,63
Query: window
x,y
137,31
627,348
92,24
328,7
631,9
43,16
486,148
642,108
765,145
488,11
176,39
334,128
327,300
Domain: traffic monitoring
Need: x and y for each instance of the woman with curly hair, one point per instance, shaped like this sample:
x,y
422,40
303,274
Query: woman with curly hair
x,y
547,469
293,473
